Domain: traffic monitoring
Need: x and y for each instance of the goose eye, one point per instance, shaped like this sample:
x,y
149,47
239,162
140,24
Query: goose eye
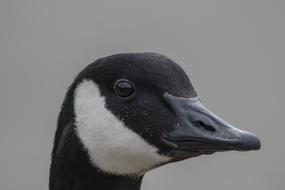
x,y
124,88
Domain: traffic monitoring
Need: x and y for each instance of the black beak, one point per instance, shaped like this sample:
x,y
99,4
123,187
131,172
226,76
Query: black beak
x,y
202,131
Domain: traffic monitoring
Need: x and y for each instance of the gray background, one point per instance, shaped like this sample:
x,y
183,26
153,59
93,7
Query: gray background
x,y
232,50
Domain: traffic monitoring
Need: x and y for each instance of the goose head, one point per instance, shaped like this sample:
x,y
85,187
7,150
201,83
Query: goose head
x,y
130,113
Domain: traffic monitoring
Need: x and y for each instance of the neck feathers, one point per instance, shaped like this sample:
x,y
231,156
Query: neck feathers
x,y
71,168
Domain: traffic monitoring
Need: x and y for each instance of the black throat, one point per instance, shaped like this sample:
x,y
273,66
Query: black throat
x,y
71,169
69,178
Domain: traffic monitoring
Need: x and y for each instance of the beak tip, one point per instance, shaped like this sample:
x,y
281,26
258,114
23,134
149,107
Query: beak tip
x,y
249,141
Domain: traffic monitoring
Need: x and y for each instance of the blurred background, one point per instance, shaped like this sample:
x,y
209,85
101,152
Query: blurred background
x,y
232,50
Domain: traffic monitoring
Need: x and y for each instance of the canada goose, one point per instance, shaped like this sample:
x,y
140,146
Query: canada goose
x,y
126,114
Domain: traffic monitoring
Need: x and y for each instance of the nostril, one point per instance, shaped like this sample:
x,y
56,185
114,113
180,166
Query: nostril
x,y
202,125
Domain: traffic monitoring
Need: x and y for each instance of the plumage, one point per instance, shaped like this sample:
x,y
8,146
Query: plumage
x,y
126,114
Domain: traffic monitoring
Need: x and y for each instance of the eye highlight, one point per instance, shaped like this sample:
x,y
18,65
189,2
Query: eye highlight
x,y
124,88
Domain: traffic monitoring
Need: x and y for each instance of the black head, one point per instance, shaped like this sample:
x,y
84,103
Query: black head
x,y
133,112
146,77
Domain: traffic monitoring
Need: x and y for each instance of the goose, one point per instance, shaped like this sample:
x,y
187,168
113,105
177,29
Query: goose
x,y
129,113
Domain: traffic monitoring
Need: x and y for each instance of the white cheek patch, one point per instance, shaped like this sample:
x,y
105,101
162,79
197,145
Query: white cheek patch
x,y
111,146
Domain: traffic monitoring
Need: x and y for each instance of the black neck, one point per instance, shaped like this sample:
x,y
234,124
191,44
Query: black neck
x,y
72,179
71,169
69,179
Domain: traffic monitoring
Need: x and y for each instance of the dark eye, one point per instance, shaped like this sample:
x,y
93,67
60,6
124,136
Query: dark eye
x,y
124,88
